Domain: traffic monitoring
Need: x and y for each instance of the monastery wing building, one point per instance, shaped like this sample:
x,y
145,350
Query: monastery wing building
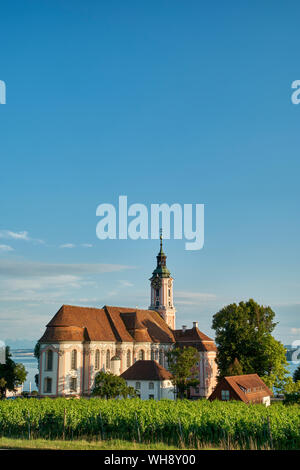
x,y
81,341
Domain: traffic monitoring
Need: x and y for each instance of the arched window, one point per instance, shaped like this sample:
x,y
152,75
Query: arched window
x,y
161,358
48,385
151,385
141,355
97,360
128,361
107,359
74,359
73,384
49,360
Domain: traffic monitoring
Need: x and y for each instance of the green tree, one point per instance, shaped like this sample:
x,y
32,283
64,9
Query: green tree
x,y
182,365
296,375
108,385
235,368
243,332
12,375
36,353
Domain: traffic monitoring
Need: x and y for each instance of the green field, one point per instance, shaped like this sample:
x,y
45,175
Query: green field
x,y
198,424
80,444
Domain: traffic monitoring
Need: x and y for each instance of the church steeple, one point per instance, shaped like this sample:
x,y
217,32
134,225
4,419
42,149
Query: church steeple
x,y
162,288
161,268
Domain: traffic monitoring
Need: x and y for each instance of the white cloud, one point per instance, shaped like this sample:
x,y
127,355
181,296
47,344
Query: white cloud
x,y
126,283
6,248
72,245
295,331
192,298
26,269
10,235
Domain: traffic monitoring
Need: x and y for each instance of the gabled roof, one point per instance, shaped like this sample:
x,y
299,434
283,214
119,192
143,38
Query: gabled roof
x,y
248,387
195,338
146,370
118,324
94,320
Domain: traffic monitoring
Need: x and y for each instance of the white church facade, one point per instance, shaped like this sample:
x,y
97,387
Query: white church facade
x,y
81,341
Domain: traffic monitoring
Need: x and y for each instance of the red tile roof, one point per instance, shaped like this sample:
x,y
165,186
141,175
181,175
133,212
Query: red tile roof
x,y
116,324
248,387
146,370
195,338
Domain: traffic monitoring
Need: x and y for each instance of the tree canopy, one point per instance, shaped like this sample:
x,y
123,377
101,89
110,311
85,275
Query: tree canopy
x,y
12,375
296,375
108,385
243,333
182,365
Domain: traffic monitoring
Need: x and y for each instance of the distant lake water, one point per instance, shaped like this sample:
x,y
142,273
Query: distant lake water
x,y
293,367
26,357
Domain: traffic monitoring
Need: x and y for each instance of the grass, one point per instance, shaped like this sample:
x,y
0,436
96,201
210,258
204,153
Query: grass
x,y
10,443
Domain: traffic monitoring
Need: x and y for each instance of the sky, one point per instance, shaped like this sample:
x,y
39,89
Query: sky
x,y
165,102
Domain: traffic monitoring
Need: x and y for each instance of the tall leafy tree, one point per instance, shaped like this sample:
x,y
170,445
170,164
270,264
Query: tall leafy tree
x,y
296,375
243,332
182,365
235,368
36,352
12,375
108,385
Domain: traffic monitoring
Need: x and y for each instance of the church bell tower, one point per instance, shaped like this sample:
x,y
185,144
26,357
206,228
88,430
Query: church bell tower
x,y
162,289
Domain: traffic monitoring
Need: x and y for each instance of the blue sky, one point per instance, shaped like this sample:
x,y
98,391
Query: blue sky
x,y
162,101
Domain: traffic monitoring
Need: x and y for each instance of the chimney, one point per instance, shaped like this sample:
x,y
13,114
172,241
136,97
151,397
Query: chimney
x,y
183,328
195,324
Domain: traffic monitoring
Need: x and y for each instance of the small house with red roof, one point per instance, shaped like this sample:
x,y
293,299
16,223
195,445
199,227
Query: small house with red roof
x,y
248,388
150,380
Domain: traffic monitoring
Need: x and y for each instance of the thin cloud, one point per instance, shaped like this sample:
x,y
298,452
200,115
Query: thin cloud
x,y
10,235
6,248
193,298
72,245
29,268
126,283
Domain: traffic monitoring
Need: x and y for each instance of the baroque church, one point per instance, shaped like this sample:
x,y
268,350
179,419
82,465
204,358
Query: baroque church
x,y
81,341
